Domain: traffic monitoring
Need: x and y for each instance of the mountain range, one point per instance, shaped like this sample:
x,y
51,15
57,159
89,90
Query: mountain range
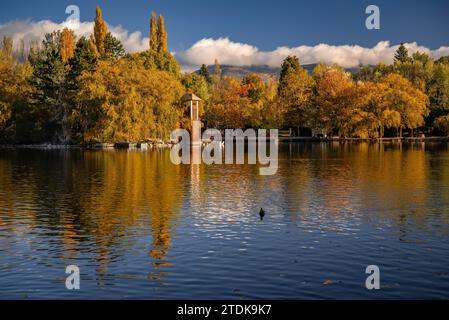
x,y
264,71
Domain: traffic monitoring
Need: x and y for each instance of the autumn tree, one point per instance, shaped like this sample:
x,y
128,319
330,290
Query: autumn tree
x,y
153,60
442,124
196,84
333,101
15,111
373,73
123,101
228,107
158,57
254,86
100,31
411,103
6,71
93,46
153,32
291,63
216,76
7,46
371,113
418,69
295,91
443,60
67,45
161,36
256,91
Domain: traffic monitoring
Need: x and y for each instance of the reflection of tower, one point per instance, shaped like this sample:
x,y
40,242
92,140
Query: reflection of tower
x,y
194,104
195,168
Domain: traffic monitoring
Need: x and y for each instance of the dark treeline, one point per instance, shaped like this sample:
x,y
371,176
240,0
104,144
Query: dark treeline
x,y
88,90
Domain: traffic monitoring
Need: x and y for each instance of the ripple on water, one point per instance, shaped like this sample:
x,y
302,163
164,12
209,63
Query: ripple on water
x,y
140,227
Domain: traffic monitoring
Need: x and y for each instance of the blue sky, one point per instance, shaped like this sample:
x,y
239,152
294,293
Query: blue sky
x,y
266,24
251,31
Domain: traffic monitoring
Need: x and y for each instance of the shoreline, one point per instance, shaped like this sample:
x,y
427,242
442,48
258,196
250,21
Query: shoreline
x,y
161,145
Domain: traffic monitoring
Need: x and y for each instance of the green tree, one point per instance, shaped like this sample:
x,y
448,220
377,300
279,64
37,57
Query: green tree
x,y
401,54
373,73
204,72
113,48
438,91
442,124
50,82
84,59
418,69
196,84
443,60
290,63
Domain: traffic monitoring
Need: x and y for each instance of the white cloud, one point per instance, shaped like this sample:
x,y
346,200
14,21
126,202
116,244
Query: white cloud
x,y
240,54
30,30
225,50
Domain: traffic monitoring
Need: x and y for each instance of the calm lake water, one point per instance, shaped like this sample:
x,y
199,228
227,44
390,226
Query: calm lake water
x,y
140,227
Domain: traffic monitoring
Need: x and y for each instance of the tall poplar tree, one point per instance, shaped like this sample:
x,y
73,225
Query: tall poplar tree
x,y
100,31
153,32
161,36
93,46
7,45
67,45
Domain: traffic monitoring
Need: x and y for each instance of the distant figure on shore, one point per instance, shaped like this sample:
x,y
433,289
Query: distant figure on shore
x,y
261,214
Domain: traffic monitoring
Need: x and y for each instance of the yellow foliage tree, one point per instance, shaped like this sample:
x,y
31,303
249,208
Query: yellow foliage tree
x,y
67,45
14,87
334,101
124,102
411,103
295,93
100,31
153,32
161,36
93,46
230,105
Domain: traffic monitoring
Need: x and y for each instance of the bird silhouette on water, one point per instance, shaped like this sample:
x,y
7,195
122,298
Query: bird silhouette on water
x,y
261,213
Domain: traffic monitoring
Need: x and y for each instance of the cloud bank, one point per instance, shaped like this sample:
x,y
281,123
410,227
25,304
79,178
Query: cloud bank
x,y
241,54
226,51
30,31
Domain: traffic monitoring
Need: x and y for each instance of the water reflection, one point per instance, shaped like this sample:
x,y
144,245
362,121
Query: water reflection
x,y
133,217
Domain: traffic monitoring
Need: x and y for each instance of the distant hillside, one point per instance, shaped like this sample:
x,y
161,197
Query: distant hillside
x,y
264,71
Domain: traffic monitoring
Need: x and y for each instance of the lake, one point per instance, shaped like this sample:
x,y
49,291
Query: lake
x,y
139,227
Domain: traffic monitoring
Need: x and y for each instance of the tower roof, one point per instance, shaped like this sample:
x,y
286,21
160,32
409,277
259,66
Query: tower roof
x,y
190,97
